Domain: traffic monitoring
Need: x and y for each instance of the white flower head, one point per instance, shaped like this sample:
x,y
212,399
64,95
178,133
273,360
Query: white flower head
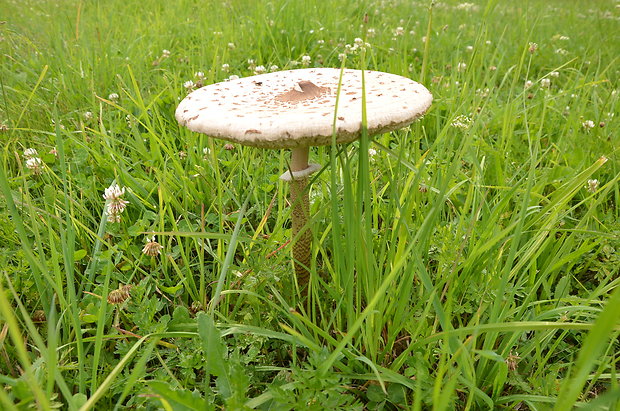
x,y
588,124
528,84
35,164
225,67
199,75
189,85
461,66
88,115
259,70
165,53
545,83
462,121
273,67
592,186
305,60
113,97
115,204
30,153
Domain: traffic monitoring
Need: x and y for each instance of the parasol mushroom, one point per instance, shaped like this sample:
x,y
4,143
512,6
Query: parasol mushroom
x,y
296,109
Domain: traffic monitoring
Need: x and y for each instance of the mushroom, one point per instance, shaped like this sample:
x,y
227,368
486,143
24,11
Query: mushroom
x,y
296,109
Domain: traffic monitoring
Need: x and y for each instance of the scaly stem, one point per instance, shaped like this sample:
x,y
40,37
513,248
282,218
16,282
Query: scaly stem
x,y
302,235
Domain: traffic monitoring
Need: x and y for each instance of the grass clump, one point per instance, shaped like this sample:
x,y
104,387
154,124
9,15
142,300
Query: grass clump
x,y
469,261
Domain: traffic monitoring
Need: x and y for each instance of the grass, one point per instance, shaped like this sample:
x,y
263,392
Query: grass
x,y
469,261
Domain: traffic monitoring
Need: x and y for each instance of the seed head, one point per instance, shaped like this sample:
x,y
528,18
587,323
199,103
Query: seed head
x,y
152,247
120,295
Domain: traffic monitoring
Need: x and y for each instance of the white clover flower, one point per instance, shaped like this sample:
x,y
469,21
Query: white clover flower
x,y
206,151
115,205
545,83
370,32
461,66
88,115
225,67
231,45
588,124
554,74
113,192
372,152
592,186
200,75
399,31
273,68
358,41
30,153
469,48
233,77
528,84
259,70
463,122
532,47
466,6
305,60
165,53
488,42
341,56
113,97
189,85
561,52
35,164
483,92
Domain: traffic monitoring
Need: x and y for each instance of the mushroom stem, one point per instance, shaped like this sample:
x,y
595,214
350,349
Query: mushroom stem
x,y
302,236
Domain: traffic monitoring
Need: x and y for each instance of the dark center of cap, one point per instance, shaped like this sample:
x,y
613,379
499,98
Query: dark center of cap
x,y
309,90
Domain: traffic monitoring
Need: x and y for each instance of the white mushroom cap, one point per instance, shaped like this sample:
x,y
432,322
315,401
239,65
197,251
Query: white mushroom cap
x,y
296,108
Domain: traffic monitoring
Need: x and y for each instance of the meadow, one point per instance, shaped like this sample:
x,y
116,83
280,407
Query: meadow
x,y
469,261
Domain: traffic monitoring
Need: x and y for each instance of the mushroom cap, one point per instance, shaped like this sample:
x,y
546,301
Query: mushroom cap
x,y
297,108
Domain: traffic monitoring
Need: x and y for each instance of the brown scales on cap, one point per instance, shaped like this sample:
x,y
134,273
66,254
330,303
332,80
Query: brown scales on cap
x,y
309,90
